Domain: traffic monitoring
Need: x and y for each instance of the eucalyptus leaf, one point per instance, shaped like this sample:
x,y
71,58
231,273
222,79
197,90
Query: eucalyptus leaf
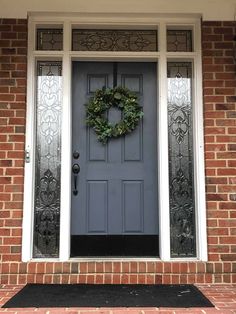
x,y
117,96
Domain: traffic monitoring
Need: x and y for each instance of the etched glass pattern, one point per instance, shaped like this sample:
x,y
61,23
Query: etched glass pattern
x,y
48,159
114,40
49,39
179,40
181,180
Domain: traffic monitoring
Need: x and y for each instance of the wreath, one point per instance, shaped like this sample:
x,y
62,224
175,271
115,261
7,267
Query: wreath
x,y
103,100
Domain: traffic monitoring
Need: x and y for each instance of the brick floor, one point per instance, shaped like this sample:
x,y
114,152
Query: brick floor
x,y
222,296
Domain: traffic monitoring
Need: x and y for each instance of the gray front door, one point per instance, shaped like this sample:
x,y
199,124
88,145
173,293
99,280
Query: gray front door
x,y
117,182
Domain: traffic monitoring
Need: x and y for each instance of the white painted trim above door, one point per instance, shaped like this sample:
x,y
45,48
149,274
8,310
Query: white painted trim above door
x,y
115,21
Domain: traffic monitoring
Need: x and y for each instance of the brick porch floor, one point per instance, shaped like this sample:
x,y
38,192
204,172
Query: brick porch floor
x,y
222,296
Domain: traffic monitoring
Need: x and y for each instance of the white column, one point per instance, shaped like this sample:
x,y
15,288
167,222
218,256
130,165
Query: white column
x,y
163,184
199,165
28,209
65,211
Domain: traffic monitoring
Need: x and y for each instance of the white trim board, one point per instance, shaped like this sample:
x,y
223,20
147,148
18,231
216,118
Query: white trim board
x,y
209,9
132,21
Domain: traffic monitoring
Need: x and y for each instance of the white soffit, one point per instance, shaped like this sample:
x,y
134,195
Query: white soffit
x,y
209,10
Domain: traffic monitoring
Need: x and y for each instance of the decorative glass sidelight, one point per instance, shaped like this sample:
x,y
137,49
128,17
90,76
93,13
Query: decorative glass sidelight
x,y
181,175
114,40
47,159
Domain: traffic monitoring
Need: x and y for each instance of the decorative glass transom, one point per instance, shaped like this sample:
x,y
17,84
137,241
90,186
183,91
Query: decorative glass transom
x,y
181,178
114,40
47,159
179,40
49,39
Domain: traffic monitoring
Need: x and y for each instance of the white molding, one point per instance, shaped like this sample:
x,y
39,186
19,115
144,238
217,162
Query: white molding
x,y
207,9
199,163
117,56
112,19
65,212
163,178
28,202
121,21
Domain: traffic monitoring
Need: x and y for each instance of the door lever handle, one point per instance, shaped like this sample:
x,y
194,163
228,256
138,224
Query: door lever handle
x,y
75,170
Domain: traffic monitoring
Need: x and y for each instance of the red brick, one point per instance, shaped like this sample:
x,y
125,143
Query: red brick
x,y
231,114
212,38
228,257
230,83
225,106
19,28
218,231
223,60
217,197
91,267
207,60
215,147
5,180
215,130
108,267
225,172
6,97
134,267
167,268
6,113
228,240
231,98
213,68
219,248
215,164
214,114
223,45
5,163
117,267
8,51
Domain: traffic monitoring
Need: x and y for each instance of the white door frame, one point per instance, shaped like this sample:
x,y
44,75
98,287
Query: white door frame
x,y
125,21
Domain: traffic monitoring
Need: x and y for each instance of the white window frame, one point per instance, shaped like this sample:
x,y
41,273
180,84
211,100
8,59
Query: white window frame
x,y
132,21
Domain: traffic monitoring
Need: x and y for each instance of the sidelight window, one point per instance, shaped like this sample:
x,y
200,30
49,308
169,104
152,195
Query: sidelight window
x,y
47,159
181,163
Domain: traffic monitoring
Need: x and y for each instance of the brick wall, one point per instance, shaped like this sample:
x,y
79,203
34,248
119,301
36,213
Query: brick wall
x,y
220,138
220,134
13,49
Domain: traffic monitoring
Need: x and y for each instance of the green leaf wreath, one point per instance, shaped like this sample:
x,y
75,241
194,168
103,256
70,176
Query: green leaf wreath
x,y
103,100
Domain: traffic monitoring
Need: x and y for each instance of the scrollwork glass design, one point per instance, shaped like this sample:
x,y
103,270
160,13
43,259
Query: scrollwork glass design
x,y
179,40
114,40
181,176
48,159
49,39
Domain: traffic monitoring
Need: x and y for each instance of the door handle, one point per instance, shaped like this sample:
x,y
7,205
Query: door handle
x,y
75,170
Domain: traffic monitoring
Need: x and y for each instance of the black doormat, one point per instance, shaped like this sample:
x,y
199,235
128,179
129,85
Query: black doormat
x,y
85,295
